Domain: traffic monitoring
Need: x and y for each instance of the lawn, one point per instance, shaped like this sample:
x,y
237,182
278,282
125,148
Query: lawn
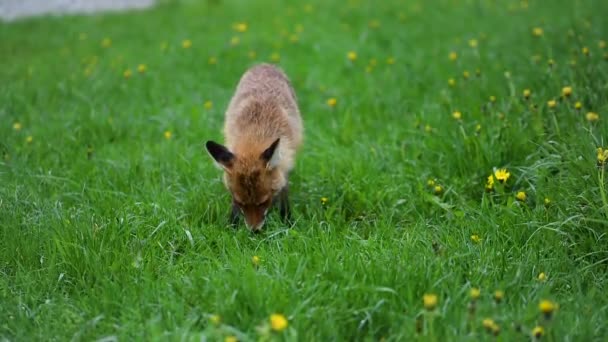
x,y
113,218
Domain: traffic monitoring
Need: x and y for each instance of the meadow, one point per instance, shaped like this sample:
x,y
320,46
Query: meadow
x,y
451,186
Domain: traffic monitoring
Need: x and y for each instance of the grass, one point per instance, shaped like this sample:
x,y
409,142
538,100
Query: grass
x,y
113,217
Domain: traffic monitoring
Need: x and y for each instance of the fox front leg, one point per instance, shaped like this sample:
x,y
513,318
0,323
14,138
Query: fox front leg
x,y
284,208
233,218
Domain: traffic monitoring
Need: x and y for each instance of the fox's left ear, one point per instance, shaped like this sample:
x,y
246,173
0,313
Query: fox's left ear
x,y
220,154
272,155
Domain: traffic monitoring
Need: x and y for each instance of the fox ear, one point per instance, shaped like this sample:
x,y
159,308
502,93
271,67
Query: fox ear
x,y
272,155
220,154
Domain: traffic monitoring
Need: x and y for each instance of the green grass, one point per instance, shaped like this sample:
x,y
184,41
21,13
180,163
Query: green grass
x,y
108,229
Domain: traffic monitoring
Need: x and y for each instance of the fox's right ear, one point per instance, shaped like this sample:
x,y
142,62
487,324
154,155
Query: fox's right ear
x,y
220,154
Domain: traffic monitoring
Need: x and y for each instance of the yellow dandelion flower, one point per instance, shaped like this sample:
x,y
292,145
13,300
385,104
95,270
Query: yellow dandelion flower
x,y
477,128
278,322
578,105
240,27
352,56
141,68
542,276
255,260
275,57
551,104
465,74
17,126
453,56
430,301
324,200
499,295
428,128
502,175
547,307
234,41
601,44
390,60
475,238
492,98
332,102
127,73
212,60
186,43
430,182
547,201
527,93
231,339
602,156
474,293
490,183
488,323
451,82
537,31
567,91
106,42
457,115
473,43
215,319
168,135
585,51
538,332
551,62
438,189
208,104
592,117
29,139
521,196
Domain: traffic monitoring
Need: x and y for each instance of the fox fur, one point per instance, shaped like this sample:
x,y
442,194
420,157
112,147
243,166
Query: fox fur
x,y
263,131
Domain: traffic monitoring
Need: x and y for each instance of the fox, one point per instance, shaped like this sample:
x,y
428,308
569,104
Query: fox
x,y
263,132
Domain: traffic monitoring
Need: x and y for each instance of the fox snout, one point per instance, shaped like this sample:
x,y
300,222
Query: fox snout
x,y
255,218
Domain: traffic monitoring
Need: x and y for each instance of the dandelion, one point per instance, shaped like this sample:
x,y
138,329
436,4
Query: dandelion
x,y
537,31
592,117
324,200
474,293
275,57
602,156
547,201
457,115
492,98
430,182
585,51
141,68
240,27
578,105
499,295
490,183
255,260
127,73
430,301
332,102
502,175
601,44
451,82
547,307
17,126
29,139
473,43
390,60
453,56
352,56
168,135
527,93
542,277
567,91
215,319
212,60
438,189
428,128
231,339
551,63
477,128
551,104
521,196
488,324
278,322
186,43
208,105
475,238
538,332
234,41
106,42
465,74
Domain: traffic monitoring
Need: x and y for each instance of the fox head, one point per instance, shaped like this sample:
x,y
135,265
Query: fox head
x,y
252,178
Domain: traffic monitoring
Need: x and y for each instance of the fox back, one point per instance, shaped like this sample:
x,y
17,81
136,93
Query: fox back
x,y
263,132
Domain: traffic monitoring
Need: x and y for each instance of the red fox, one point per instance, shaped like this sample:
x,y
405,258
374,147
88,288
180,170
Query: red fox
x,y
263,131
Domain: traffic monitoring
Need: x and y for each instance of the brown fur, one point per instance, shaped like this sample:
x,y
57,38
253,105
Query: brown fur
x,y
263,109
